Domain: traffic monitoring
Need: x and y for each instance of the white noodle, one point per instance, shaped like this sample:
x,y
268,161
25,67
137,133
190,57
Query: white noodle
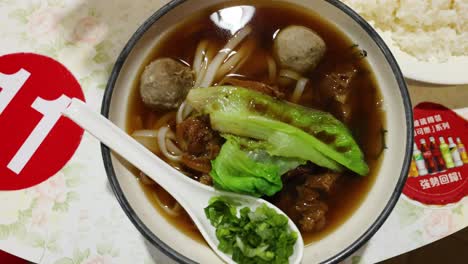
x,y
200,54
241,63
146,133
299,90
147,138
208,55
290,74
172,147
170,135
228,76
183,112
230,63
271,69
236,68
201,74
234,62
163,131
180,113
187,111
209,77
175,211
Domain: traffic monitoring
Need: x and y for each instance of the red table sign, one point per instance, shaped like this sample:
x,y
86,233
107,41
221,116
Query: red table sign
x,y
36,141
10,259
439,169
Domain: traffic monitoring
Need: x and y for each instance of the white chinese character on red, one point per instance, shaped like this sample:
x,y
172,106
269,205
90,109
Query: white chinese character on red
x,y
416,123
423,121
419,131
430,120
438,118
427,130
453,177
459,175
434,181
446,125
438,127
443,179
425,184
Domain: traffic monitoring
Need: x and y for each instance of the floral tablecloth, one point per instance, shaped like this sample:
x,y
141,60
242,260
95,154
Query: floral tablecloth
x,y
73,217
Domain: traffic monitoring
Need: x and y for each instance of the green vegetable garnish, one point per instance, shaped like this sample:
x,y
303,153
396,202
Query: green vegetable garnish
x,y
261,237
290,130
243,166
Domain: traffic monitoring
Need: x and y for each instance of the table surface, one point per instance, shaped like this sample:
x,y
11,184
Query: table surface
x,y
74,217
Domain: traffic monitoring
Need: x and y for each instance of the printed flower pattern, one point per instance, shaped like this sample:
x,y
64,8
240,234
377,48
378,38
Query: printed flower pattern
x,y
11,204
43,22
439,224
99,260
89,30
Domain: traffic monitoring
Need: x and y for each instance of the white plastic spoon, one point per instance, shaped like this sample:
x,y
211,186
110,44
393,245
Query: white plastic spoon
x,y
191,195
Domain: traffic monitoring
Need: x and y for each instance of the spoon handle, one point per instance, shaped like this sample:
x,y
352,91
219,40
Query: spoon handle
x,y
124,145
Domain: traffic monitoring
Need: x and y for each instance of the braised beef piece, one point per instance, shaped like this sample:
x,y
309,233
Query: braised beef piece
x,y
312,210
256,86
199,142
206,179
335,90
323,182
198,164
310,202
307,188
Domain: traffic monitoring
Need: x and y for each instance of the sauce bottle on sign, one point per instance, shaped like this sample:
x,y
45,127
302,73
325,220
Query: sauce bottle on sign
x,y
419,160
462,150
444,148
427,154
455,154
437,155
413,171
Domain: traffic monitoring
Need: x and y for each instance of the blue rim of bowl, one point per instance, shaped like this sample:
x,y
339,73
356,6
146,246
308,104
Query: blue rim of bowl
x,y
154,240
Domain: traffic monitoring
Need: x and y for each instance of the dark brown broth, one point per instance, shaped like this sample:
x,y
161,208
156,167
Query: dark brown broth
x,y
366,122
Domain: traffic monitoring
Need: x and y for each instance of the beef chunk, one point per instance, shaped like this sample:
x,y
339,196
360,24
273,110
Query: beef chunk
x,y
199,164
303,198
200,143
335,90
206,179
313,210
197,138
322,182
300,172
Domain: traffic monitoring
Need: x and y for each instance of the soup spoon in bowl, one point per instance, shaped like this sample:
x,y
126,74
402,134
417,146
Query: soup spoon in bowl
x,y
191,195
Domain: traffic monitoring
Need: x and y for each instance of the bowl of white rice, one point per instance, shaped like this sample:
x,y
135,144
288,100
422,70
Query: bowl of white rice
x,y
429,38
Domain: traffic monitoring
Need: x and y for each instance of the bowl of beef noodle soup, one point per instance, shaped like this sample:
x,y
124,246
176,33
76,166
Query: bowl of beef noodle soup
x,y
212,86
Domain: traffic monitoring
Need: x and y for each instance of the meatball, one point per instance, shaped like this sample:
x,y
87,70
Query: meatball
x,y
299,48
165,83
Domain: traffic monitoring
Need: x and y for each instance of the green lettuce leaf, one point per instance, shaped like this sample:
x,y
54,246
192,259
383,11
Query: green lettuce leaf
x,y
291,130
243,167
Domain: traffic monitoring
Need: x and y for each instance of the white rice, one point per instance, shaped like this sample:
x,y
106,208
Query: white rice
x,y
430,30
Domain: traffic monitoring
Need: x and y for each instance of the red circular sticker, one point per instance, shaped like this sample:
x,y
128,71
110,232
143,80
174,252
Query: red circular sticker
x,y
36,140
439,168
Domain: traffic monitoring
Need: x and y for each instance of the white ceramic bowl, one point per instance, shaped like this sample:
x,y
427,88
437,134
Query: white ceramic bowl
x,y
374,209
